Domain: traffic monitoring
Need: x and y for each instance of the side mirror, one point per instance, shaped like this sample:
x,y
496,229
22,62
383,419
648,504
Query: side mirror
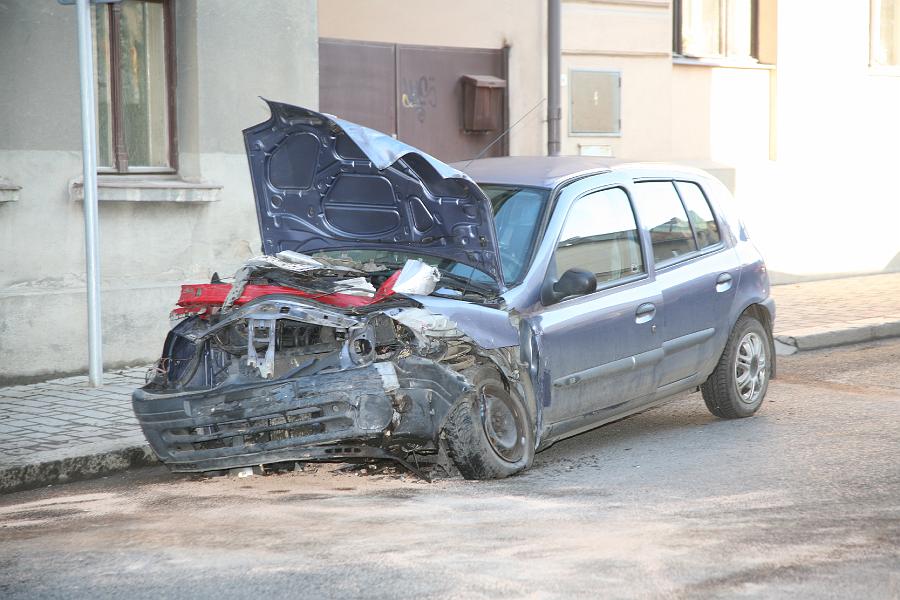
x,y
574,282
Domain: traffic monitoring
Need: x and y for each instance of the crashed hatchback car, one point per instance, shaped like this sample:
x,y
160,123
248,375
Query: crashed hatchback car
x,y
403,311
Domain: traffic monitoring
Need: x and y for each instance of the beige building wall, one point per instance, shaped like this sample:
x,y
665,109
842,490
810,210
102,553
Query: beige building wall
x,y
834,203
520,25
633,38
809,140
669,110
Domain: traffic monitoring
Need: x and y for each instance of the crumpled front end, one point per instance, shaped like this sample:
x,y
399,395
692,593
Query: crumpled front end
x,y
280,377
382,410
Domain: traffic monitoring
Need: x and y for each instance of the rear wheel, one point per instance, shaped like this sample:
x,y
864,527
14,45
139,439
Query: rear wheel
x,y
489,434
738,386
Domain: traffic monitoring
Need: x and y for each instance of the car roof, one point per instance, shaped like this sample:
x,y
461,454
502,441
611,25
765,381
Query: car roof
x,y
550,171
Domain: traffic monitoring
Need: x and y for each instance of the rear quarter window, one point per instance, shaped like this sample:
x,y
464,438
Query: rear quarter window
x,y
662,213
700,214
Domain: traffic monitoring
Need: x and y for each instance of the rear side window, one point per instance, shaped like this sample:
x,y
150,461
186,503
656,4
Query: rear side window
x,y
663,214
600,235
699,213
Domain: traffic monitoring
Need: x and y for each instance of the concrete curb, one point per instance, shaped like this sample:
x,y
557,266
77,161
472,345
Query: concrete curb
x,y
74,468
840,334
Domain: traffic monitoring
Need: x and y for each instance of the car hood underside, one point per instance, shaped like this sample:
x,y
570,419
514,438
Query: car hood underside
x,y
322,183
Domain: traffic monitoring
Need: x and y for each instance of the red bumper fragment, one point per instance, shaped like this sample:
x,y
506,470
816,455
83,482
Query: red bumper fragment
x,y
200,298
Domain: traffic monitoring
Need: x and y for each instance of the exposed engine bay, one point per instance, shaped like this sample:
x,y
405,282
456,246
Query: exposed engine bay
x,y
304,359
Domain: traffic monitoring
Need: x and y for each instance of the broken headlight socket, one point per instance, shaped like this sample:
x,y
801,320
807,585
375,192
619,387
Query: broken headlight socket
x,y
360,348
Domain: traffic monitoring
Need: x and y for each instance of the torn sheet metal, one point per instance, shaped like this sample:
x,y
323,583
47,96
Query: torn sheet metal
x,y
292,262
490,328
425,322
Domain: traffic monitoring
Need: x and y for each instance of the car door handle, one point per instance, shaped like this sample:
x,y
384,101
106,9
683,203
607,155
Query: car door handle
x,y
645,312
723,282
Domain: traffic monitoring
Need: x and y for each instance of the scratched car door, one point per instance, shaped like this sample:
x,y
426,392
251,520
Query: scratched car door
x,y
601,348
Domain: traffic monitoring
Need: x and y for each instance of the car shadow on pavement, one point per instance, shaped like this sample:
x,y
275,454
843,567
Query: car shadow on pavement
x,y
678,419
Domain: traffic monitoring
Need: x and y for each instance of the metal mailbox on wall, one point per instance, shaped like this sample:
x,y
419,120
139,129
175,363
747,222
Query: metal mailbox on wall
x,y
482,103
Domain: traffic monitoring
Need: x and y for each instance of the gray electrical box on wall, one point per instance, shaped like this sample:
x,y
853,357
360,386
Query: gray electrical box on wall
x,y
595,99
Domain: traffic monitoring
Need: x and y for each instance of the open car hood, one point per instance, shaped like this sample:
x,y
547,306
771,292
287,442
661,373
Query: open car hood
x,y
322,183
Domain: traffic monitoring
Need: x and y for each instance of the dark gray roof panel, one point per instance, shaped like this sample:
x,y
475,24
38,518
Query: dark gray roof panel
x,y
536,171
549,171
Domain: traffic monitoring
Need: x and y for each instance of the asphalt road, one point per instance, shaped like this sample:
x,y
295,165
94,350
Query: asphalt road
x,y
802,500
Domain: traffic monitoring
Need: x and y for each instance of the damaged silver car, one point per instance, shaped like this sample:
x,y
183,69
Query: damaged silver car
x,y
403,311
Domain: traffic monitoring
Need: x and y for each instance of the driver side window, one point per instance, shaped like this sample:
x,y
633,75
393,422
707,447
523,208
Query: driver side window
x,y
600,236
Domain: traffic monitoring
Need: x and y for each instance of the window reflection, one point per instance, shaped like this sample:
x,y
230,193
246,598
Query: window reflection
x,y
662,213
133,117
885,43
142,47
600,236
103,89
699,214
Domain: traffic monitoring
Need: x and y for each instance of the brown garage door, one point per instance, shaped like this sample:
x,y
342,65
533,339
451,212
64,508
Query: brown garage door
x,y
412,92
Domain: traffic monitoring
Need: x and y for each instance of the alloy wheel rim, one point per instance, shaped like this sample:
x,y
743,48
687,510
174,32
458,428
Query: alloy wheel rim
x,y
750,368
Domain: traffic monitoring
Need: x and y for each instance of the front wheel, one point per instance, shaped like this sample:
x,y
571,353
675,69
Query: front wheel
x,y
489,434
737,387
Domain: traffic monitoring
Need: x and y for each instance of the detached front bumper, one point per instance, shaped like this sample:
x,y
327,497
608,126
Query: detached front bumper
x,y
356,413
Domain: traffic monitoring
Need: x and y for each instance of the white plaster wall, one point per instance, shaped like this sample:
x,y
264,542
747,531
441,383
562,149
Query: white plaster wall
x,y
831,201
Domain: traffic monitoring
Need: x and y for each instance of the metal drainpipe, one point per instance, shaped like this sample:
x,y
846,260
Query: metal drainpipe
x,y
554,110
89,157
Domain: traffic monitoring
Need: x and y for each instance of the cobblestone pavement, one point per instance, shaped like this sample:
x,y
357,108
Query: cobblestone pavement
x,y
61,418
57,419
837,301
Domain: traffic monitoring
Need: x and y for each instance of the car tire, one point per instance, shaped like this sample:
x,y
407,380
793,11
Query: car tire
x,y
737,387
488,433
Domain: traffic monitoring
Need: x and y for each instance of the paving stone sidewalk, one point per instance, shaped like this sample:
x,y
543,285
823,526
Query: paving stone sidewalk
x,y
820,314
62,429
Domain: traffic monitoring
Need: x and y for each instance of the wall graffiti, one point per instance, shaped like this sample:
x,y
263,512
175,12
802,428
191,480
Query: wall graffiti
x,y
418,94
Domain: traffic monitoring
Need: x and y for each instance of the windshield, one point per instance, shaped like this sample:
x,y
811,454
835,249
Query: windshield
x,y
517,215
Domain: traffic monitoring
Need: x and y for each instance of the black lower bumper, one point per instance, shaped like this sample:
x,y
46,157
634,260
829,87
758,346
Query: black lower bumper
x,y
332,416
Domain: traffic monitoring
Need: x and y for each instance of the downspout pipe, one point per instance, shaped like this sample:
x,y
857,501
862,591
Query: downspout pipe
x,y
554,50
